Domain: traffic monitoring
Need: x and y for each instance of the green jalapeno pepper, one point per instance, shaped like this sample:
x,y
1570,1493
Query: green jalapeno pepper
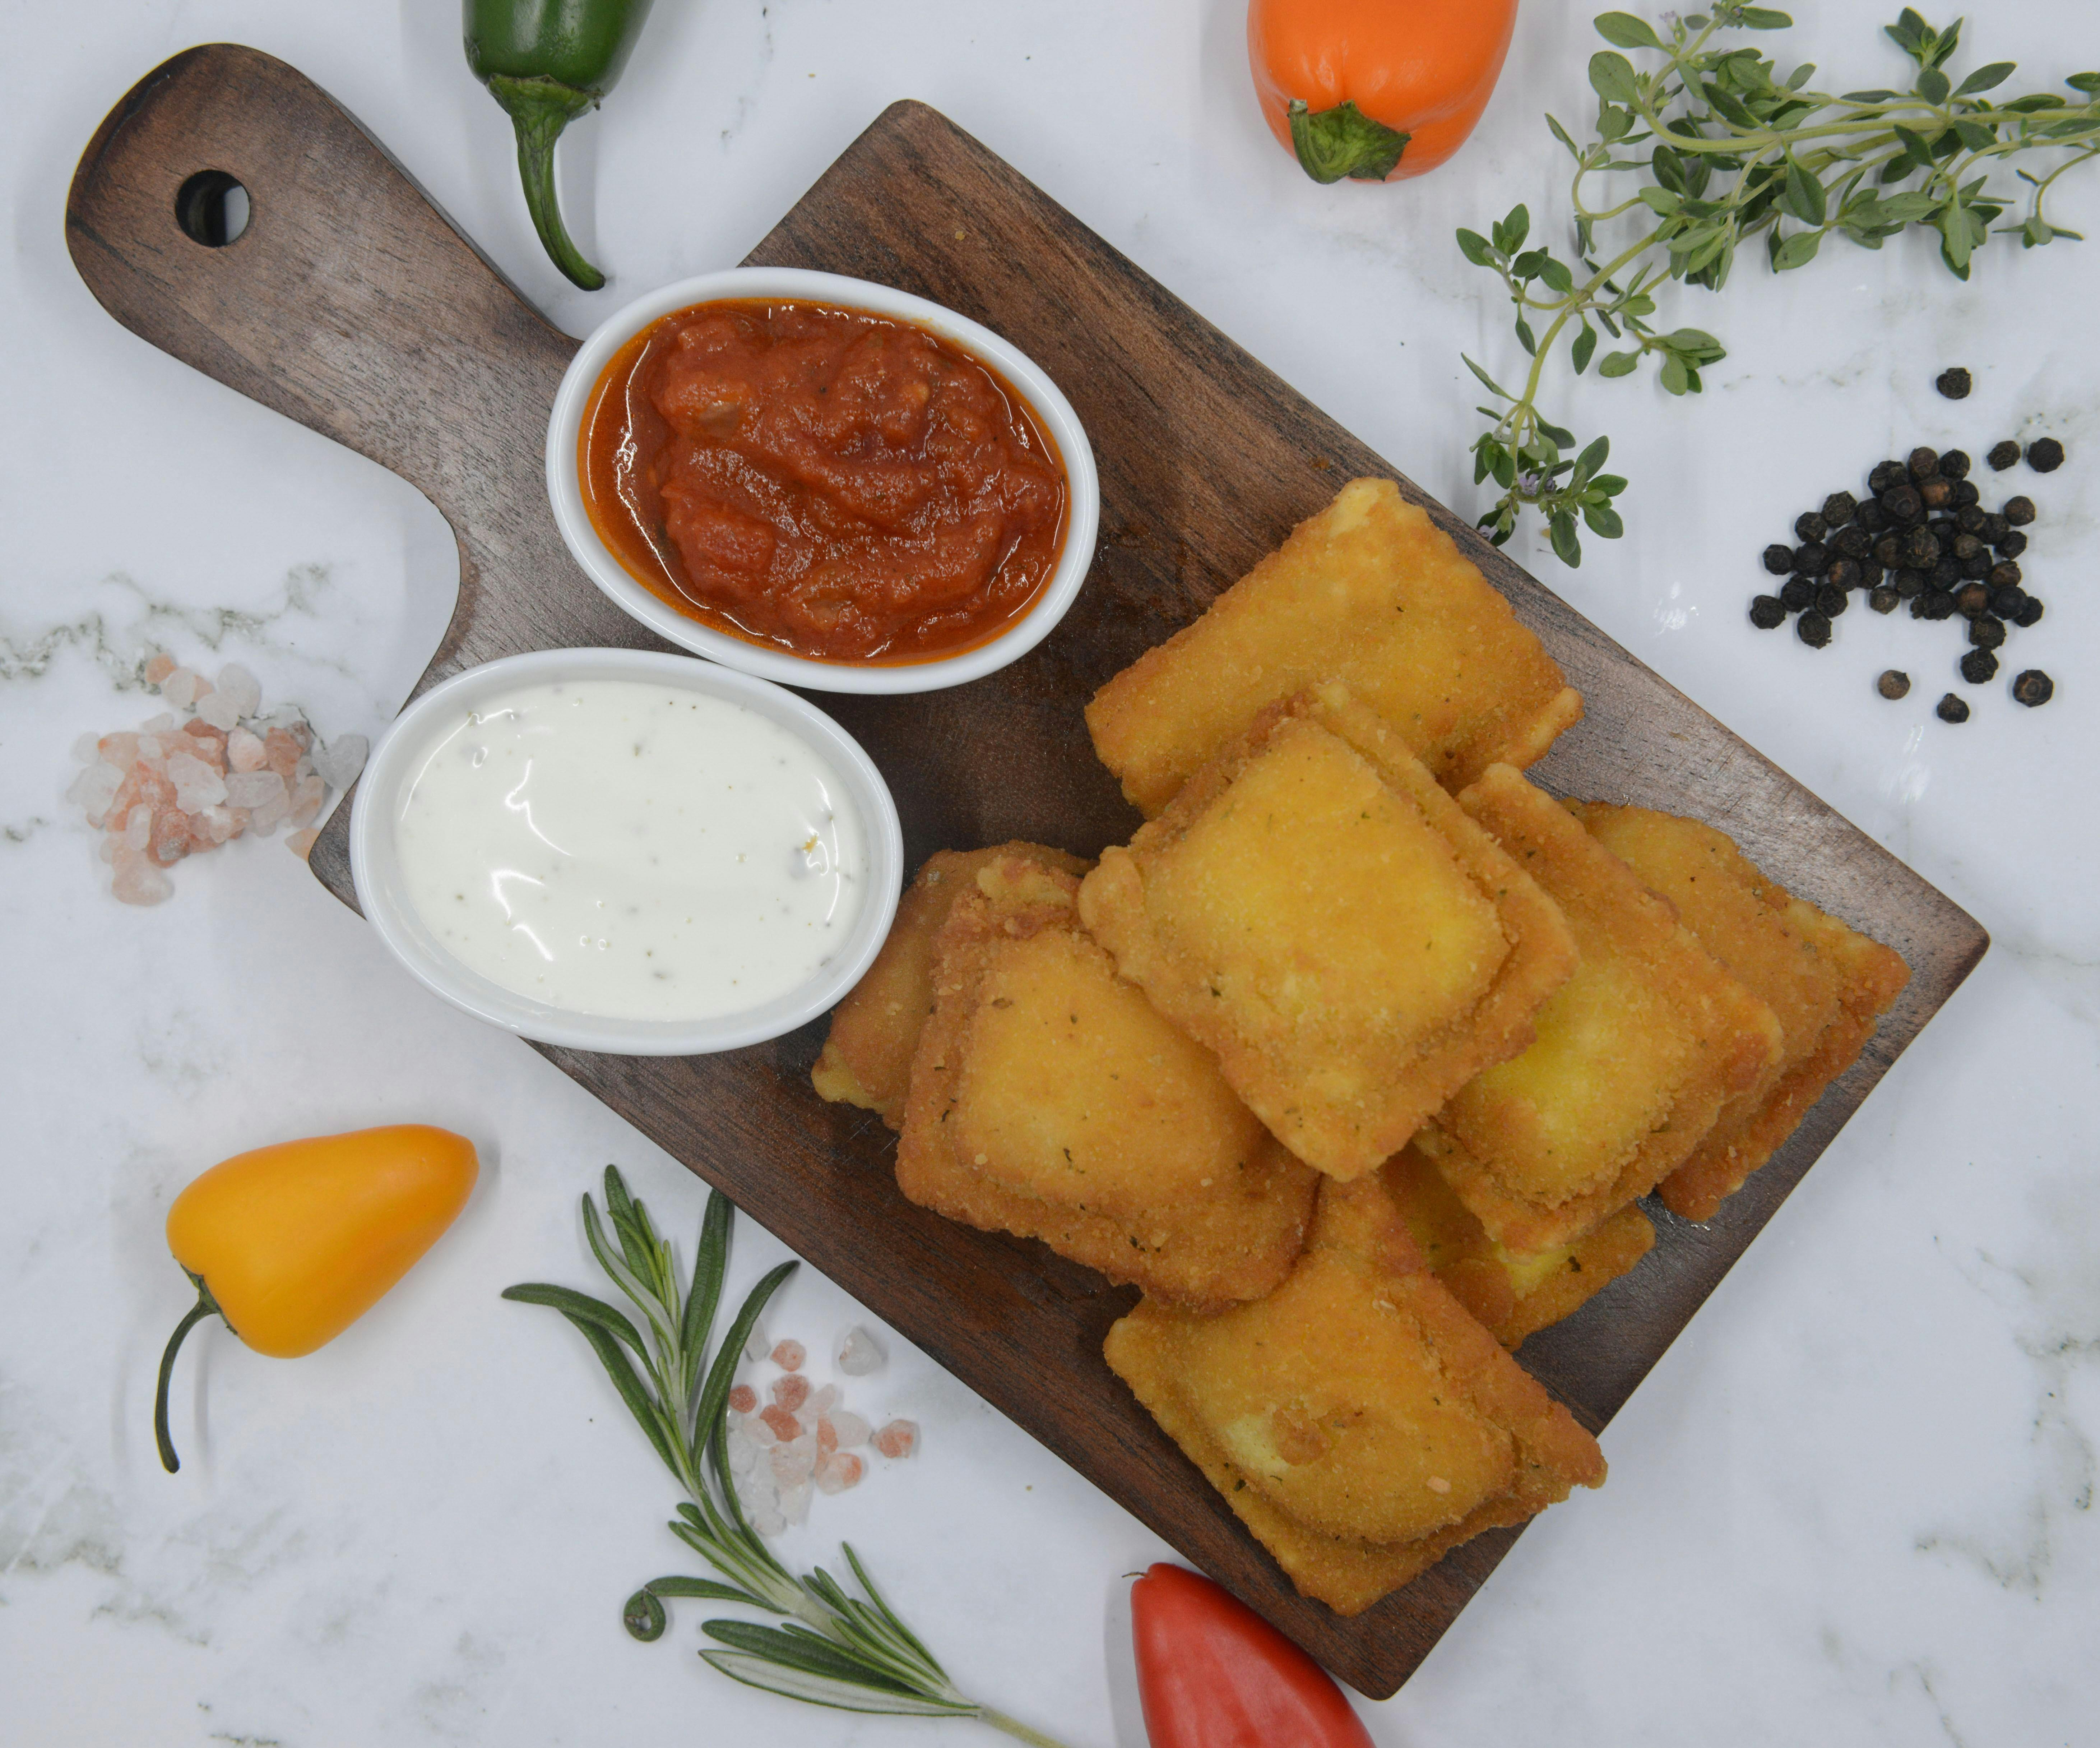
x,y
547,62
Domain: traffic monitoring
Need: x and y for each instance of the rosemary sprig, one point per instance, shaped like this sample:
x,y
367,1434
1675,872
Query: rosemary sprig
x,y
852,1652
1735,150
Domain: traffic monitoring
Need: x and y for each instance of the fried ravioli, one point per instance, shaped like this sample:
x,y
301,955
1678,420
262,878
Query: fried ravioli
x,y
1314,909
1828,984
1359,1421
1635,1055
867,1059
1049,1099
1515,1296
1369,592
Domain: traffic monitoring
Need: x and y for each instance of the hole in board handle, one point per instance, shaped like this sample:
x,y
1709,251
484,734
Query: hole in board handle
x,y
211,207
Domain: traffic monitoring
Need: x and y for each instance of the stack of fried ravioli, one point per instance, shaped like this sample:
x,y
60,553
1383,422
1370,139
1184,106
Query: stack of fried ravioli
x,y
1358,1058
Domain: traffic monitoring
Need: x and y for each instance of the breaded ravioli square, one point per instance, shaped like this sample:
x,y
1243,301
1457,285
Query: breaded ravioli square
x,y
1828,984
1359,1421
866,1058
1049,1099
1635,1055
1515,1294
1314,909
1369,592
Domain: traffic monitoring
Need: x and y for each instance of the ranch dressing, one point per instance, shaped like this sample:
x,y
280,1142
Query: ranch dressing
x,y
631,850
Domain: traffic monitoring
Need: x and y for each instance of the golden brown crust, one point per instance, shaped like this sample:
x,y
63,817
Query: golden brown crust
x,y
1358,1420
1635,1055
1048,1099
1828,984
1515,1296
866,1058
1314,909
1369,592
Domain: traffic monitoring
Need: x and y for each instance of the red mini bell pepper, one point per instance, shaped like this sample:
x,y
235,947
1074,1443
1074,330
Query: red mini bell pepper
x,y
1213,1674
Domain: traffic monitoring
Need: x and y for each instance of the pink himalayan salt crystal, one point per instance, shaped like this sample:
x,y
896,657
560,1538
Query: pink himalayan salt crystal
x,y
198,785
252,788
789,1356
95,788
848,1429
857,1354
307,801
139,827
171,836
121,748
156,725
839,1471
137,881
795,1503
151,752
280,752
340,763
794,1461
159,666
827,1435
244,750
900,1438
782,1423
824,1401
142,784
742,1398
299,843
791,1392
182,687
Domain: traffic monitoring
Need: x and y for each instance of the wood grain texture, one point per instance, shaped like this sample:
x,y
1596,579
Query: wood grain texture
x,y
352,306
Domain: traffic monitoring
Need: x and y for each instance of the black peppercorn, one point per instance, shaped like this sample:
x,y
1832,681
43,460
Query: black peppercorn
x,y
1767,612
1935,603
1831,600
1979,666
1986,633
1954,384
1852,541
1976,567
1778,560
2019,511
1954,465
1894,683
1946,573
1809,527
1843,574
1972,599
1902,504
1839,508
1814,629
1951,709
2009,603
1883,600
1887,474
1813,559
2012,543
2045,455
1963,494
2003,455
2030,615
1871,574
1994,529
1923,463
1919,551
1966,547
2006,574
1910,583
1970,518
1872,517
1797,593
1937,493
1889,549
2034,687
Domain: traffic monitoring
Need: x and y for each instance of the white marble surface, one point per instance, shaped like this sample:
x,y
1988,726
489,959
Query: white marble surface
x,y
1852,1505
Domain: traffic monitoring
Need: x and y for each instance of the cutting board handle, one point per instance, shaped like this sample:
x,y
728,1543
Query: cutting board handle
x,y
349,302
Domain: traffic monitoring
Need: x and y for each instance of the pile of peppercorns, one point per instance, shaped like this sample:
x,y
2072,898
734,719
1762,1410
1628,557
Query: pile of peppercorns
x,y
1923,536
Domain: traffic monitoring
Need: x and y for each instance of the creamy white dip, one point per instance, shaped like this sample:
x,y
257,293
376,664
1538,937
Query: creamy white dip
x,y
631,851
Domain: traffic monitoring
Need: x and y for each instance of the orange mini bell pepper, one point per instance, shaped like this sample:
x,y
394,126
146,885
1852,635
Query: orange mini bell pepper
x,y
292,1244
1375,90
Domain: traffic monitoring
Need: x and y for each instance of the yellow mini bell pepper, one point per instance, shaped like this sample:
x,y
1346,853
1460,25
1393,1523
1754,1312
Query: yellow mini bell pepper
x,y
292,1244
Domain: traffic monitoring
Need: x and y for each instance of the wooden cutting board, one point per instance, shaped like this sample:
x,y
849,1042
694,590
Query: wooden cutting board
x,y
351,305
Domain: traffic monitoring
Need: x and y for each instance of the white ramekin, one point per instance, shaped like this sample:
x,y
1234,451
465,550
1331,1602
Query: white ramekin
x,y
1051,410
375,864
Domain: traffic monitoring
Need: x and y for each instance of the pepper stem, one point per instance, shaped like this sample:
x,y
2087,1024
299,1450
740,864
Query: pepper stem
x,y
1343,141
540,108
206,1306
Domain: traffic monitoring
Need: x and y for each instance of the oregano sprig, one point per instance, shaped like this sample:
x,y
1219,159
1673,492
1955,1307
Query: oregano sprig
x,y
832,1647
1736,150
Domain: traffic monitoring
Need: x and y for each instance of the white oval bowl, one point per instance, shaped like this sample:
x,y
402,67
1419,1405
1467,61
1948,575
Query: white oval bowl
x,y
383,895
1052,410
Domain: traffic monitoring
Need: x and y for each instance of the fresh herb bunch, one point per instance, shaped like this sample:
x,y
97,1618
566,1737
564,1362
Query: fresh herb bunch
x,y
1734,151
850,1652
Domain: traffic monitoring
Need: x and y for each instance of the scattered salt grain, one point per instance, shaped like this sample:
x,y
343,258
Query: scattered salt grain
x,y
742,1398
159,668
789,1355
305,805
253,788
782,1422
197,785
180,688
791,1392
340,761
137,881
824,1401
838,1472
848,1428
759,1432
95,788
795,1503
756,1346
237,685
794,1461
857,1354
743,1454
900,1438
139,827
300,842
767,1520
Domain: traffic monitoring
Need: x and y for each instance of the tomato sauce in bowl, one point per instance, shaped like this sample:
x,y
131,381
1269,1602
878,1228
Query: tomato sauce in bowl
x,y
834,483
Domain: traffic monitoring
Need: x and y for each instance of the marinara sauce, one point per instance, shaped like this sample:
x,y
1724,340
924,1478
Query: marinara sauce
x,y
836,484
